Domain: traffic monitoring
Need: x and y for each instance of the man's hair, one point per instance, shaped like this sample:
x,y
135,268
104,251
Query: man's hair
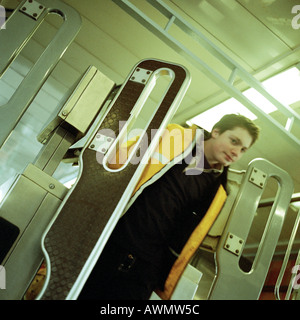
x,y
231,121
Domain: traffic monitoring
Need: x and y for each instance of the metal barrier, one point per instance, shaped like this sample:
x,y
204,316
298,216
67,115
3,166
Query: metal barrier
x,y
231,281
20,27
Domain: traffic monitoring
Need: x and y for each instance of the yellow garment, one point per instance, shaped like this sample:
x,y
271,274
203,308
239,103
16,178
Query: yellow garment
x,y
174,140
122,153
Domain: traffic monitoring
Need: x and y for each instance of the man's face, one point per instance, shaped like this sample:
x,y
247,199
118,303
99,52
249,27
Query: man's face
x,y
229,146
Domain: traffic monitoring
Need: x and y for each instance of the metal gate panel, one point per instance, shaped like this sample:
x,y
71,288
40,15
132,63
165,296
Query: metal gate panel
x,y
20,27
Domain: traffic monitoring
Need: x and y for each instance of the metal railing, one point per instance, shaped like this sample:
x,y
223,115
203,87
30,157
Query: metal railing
x,y
163,32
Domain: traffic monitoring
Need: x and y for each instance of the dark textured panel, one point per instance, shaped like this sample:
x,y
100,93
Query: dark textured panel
x,y
78,226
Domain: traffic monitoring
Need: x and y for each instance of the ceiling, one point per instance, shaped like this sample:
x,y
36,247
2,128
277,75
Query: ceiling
x,y
258,34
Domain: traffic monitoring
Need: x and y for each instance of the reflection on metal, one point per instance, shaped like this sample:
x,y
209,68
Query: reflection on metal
x,y
163,32
19,30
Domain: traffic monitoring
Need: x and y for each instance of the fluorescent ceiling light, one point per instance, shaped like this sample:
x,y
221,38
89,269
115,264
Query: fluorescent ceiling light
x,y
259,100
285,87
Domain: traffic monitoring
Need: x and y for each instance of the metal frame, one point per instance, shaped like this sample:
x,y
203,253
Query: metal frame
x,y
20,27
231,281
236,69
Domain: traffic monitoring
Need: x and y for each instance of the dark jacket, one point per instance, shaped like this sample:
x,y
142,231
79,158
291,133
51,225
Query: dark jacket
x,y
164,215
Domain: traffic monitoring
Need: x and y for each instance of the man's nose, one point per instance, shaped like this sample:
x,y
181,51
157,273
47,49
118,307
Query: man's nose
x,y
236,152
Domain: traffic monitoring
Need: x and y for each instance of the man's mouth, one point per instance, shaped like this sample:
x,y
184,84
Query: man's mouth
x,y
228,158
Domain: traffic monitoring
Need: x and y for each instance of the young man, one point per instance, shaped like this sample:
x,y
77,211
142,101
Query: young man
x,y
137,257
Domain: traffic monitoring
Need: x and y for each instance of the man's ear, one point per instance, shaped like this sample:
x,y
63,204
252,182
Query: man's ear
x,y
215,133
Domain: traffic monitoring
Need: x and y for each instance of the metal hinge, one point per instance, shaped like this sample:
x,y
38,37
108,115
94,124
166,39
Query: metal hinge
x,y
32,9
258,177
101,143
234,244
141,75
